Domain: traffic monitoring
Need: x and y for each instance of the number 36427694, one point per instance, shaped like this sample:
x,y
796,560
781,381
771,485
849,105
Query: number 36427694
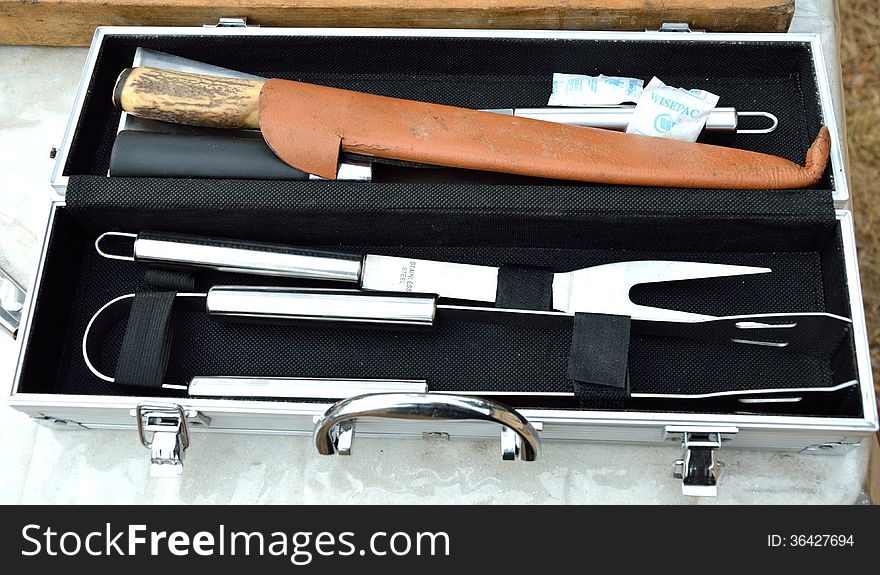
x,y
810,540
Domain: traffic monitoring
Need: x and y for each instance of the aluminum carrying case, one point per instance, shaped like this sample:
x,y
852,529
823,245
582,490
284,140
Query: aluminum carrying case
x,y
697,393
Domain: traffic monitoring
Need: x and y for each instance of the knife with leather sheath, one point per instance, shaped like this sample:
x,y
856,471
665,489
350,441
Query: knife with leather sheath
x,y
308,126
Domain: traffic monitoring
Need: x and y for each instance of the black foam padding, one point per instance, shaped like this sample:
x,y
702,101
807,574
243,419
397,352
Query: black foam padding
x,y
336,213
160,155
524,288
146,345
599,349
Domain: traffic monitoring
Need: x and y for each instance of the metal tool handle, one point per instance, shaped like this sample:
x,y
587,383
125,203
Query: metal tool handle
x,y
618,118
299,387
334,431
273,303
178,250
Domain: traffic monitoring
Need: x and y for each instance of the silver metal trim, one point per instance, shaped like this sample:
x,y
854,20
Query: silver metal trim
x,y
860,331
299,417
840,193
36,281
59,180
462,33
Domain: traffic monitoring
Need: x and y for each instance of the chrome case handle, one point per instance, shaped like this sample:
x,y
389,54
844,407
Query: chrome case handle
x,y
12,298
334,431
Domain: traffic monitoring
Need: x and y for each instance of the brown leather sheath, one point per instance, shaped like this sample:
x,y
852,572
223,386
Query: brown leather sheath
x,y
308,125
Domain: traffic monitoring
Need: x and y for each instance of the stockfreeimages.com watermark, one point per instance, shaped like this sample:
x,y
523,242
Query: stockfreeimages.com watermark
x,y
300,547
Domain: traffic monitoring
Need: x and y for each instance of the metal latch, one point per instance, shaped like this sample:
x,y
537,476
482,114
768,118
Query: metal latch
x,y
11,303
699,467
674,27
230,23
169,439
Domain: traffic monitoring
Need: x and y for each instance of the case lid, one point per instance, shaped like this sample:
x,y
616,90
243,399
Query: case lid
x,y
799,56
73,22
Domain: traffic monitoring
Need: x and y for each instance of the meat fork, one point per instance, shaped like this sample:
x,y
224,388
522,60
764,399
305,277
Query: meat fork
x,y
599,289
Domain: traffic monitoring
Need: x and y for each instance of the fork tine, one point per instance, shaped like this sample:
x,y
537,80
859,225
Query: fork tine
x,y
605,288
651,271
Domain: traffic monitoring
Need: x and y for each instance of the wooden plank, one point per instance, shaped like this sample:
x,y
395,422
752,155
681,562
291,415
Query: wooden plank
x,y
873,482
72,22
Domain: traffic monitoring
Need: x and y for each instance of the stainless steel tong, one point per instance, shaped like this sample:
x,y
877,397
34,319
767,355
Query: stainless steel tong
x,y
816,334
598,289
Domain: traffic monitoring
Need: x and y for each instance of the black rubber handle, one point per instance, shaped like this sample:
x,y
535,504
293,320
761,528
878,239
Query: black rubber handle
x,y
158,155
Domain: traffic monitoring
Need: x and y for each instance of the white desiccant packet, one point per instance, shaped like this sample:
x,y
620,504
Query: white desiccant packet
x,y
667,112
581,91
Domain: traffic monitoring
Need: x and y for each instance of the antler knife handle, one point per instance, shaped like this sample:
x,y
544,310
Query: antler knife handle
x,y
191,99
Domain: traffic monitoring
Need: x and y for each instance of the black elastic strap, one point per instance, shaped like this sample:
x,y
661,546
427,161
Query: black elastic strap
x,y
175,280
592,396
524,288
146,345
599,352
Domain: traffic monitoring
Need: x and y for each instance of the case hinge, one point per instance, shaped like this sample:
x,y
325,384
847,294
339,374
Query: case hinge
x,y
11,303
831,447
231,23
57,422
699,467
164,430
674,27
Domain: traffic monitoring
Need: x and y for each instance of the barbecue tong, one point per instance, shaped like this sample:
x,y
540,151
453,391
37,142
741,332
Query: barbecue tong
x,y
816,334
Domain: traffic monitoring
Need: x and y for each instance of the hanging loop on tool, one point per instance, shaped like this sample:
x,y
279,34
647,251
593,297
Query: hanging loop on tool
x,y
774,121
108,255
103,321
